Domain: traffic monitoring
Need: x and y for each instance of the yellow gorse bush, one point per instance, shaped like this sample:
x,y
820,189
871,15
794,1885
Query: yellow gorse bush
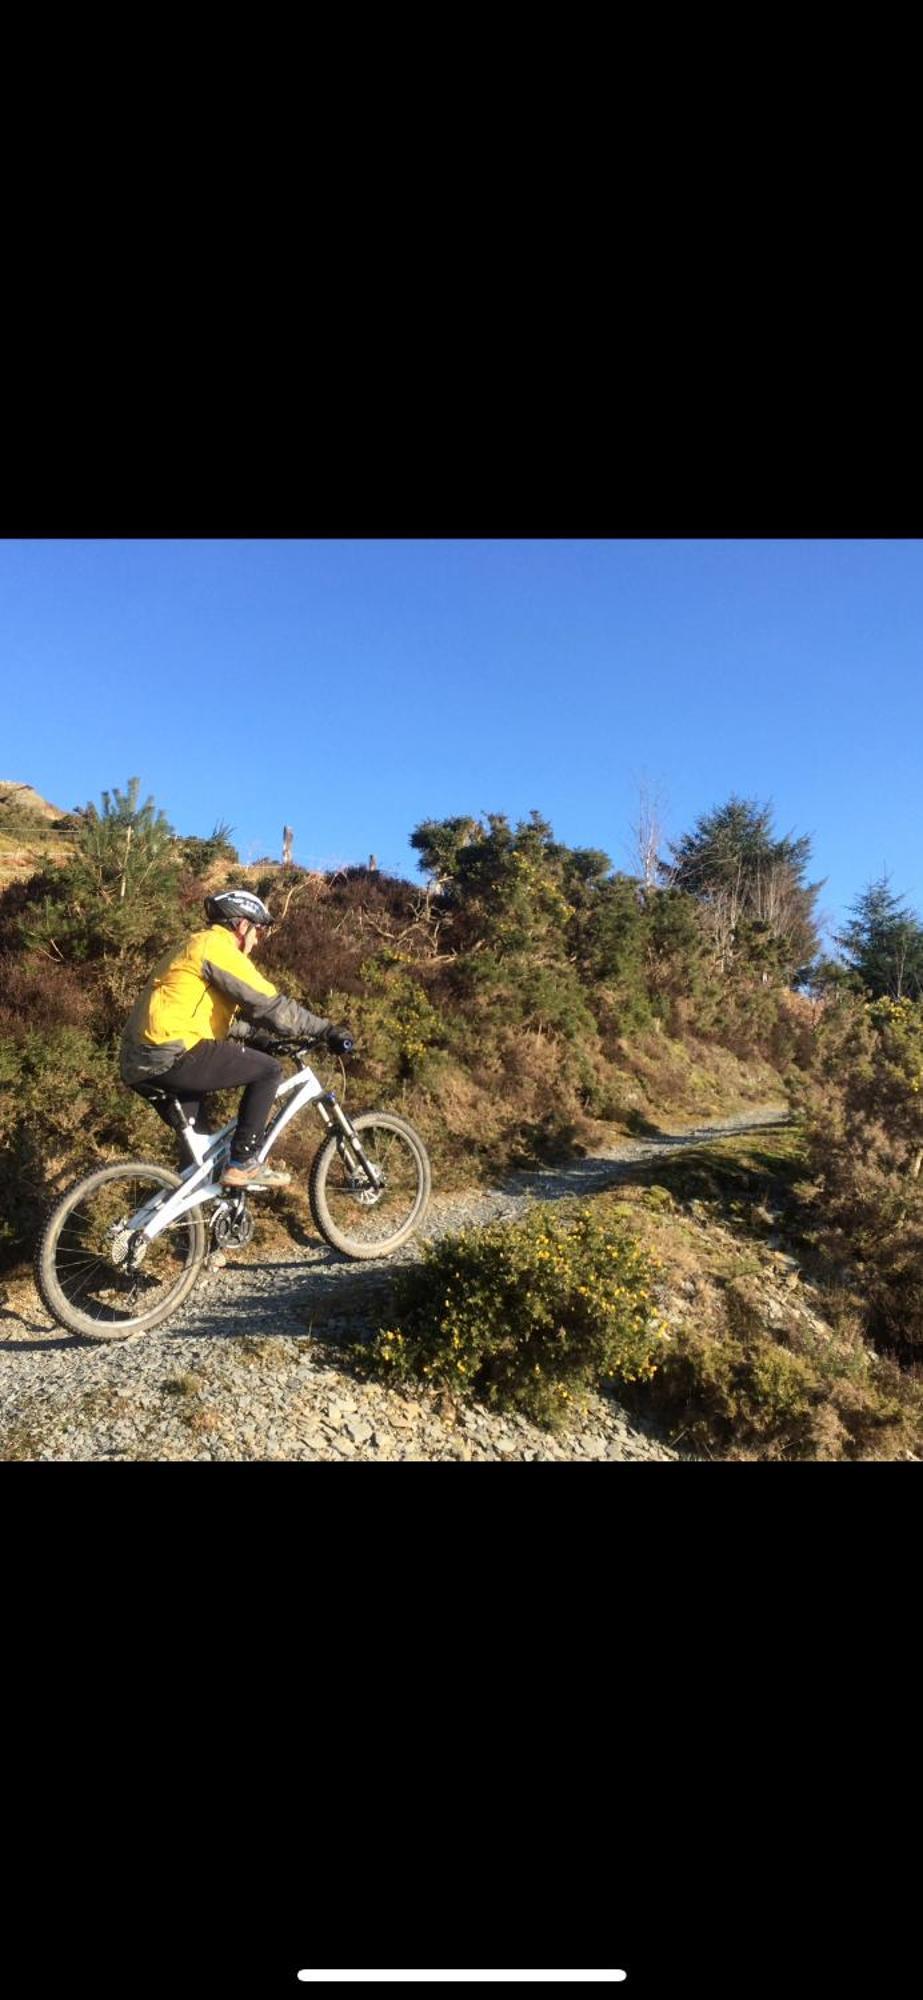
x,y
528,1316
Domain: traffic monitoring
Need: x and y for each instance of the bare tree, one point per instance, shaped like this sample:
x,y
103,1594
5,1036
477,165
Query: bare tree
x,y
648,834
723,910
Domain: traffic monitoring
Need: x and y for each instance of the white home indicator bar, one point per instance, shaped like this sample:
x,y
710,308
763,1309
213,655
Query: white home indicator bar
x,y
507,1978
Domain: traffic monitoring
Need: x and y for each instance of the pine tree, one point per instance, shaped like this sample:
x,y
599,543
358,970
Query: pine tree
x,y
114,905
758,906
883,943
120,849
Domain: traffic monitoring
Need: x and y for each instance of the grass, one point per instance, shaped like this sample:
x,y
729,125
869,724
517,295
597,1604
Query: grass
x,y
188,1384
102,1403
265,1351
21,1440
201,1422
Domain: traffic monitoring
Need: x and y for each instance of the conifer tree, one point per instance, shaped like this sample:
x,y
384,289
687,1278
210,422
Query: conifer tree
x,y
883,943
114,904
751,886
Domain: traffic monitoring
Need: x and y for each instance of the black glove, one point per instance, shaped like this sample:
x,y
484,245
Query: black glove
x,y
339,1041
262,1039
254,1036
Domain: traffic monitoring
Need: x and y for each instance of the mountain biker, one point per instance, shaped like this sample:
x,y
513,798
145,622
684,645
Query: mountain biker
x,y
201,1003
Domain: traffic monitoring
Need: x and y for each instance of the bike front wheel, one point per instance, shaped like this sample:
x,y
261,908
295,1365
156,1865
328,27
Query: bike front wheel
x,y
363,1217
88,1272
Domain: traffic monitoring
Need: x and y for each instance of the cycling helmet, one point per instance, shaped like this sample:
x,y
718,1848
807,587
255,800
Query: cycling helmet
x,y
232,904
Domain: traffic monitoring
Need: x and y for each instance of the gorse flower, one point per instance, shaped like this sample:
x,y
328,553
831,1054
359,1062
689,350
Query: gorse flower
x,y
532,1315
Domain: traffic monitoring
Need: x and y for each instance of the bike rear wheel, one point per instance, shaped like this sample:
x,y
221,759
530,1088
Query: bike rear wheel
x,y
84,1268
355,1216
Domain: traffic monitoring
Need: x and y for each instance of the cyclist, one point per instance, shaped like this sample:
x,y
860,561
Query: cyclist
x,y
186,1032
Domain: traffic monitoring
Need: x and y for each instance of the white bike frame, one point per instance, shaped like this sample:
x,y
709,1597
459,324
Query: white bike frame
x,y
201,1181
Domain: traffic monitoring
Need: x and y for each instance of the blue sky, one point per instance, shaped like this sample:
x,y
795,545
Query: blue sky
x,y
355,688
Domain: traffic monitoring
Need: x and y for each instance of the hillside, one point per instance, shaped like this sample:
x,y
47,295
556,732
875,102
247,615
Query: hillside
x,y
267,1360
16,797
530,1008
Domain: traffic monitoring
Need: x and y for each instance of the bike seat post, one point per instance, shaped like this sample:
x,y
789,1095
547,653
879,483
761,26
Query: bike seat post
x,y
195,1142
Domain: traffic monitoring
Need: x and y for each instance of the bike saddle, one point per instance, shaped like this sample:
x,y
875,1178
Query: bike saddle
x,y
166,1106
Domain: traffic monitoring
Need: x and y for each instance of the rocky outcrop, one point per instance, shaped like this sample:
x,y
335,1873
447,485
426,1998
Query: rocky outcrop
x,y
31,831
23,799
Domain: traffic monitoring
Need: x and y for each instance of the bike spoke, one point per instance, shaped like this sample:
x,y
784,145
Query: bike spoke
x,y
371,1215
94,1281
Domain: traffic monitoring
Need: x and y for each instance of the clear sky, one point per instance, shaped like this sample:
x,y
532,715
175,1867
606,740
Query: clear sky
x,y
355,688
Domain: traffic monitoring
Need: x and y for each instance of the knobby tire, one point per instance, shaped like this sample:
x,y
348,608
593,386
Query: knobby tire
x,y
337,1207
72,1260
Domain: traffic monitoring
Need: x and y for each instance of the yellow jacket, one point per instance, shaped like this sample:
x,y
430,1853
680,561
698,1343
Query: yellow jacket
x,y
193,995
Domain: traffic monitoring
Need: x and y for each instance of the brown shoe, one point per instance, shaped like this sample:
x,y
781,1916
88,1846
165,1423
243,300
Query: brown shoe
x,y
255,1176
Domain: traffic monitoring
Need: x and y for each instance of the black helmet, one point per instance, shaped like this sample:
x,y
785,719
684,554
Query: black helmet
x,y
232,904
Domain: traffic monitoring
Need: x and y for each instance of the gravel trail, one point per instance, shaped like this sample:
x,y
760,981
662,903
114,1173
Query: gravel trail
x,y
238,1374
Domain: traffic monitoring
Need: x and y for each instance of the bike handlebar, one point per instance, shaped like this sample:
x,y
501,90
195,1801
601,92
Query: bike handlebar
x,y
300,1045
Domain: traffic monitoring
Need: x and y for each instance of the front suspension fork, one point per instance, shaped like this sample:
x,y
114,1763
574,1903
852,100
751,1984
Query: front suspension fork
x,y
336,1120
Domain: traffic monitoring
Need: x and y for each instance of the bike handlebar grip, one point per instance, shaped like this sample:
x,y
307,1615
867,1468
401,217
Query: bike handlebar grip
x,y
340,1041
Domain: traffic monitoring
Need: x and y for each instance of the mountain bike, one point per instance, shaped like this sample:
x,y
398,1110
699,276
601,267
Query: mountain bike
x,y
124,1247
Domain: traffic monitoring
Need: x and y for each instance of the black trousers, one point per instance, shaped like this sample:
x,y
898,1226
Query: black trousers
x,y
222,1066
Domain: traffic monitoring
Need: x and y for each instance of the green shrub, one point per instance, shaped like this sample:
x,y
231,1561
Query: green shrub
x,y
741,1394
397,1022
865,1151
528,1317
63,1112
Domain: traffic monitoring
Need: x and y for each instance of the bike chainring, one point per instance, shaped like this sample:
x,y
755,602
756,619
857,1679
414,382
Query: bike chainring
x,y
232,1226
